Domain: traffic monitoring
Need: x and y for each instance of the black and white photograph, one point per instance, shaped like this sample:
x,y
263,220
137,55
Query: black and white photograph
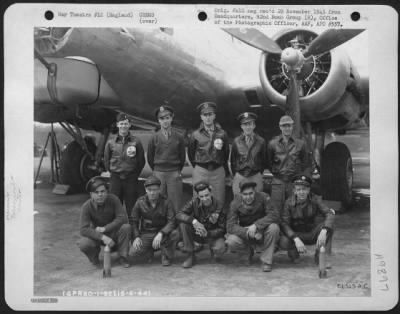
x,y
189,163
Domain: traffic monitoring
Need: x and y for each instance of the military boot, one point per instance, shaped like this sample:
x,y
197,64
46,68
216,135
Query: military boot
x,y
293,255
165,260
249,258
150,256
189,261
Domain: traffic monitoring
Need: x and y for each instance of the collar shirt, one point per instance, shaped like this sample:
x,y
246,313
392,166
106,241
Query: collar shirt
x,y
261,212
249,139
302,217
288,159
122,139
247,160
205,148
146,218
194,209
210,130
166,133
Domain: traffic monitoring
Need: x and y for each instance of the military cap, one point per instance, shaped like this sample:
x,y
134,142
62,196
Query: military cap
x,y
302,179
244,184
206,107
247,117
122,116
200,186
95,182
152,180
162,111
286,120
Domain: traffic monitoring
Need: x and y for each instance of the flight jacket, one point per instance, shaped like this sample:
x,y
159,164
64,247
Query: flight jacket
x,y
248,161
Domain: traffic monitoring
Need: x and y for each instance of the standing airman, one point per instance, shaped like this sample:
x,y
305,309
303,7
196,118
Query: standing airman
x,y
287,157
124,158
208,151
166,156
248,155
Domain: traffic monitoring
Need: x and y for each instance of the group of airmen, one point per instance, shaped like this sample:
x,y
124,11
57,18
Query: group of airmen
x,y
255,222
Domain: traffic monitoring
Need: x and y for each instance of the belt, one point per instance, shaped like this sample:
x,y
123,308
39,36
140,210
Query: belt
x,y
283,178
150,229
210,166
123,175
247,172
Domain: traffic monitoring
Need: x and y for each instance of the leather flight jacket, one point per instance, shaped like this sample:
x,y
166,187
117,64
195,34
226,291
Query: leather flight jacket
x,y
208,151
195,210
303,217
248,161
286,161
124,155
145,218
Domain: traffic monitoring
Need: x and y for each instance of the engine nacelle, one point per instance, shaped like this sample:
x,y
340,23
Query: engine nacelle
x,y
323,79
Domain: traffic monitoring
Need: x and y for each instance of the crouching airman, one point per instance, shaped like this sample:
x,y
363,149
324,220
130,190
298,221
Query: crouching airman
x,y
153,224
300,222
202,220
253,223
103,221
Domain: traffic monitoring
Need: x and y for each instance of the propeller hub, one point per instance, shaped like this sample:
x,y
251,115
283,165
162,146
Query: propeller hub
x,y
292,58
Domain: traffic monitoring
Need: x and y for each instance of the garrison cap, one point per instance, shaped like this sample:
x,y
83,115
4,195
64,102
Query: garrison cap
x,y
122,116
247,117
152,180
302,179
95,182
201,185
206,107
162,111
244,184
286,120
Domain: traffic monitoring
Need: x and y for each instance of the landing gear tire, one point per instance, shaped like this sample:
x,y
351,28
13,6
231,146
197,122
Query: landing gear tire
x,y
337,174
76,167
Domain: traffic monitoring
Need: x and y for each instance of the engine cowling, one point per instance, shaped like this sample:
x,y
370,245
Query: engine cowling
x,y
323,79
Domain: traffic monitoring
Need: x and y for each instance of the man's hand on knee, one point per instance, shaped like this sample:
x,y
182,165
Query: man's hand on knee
x,y
107,241
301,248
137,244
251,231
101,229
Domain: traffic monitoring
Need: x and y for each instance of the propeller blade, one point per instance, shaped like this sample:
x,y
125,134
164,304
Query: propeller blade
x,y
293,103
254,38
329,39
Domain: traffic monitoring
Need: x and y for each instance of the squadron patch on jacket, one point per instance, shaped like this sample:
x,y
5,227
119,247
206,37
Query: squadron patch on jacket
x,y
218,143
131,150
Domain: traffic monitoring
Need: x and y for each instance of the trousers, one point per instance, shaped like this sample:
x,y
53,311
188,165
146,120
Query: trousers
x,y
257,178
267,244
216,179
308,238
125,189
91,248
171,186
168,244
280,191
217,245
